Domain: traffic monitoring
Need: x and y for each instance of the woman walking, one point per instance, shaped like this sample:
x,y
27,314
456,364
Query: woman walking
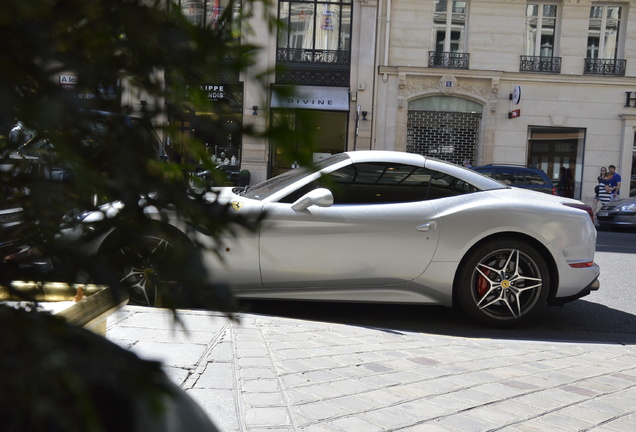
x,y
604,194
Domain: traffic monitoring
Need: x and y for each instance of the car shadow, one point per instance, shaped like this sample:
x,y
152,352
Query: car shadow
x,y
579,321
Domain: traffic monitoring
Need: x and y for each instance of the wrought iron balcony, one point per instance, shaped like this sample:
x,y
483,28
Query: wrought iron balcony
x,y
613,67
540,64
448,60
313,67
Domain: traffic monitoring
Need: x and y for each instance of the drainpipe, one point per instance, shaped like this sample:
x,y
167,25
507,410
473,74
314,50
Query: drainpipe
x,y
388,32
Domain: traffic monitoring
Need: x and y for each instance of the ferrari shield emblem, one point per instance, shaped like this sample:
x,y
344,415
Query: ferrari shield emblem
x,y
237,205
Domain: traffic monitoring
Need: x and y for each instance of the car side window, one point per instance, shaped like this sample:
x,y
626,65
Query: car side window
x,y
386,183
515,176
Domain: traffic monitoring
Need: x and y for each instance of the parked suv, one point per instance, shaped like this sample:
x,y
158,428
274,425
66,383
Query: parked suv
x,y
519,176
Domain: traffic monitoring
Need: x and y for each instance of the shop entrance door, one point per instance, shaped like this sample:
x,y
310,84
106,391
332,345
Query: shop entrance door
x,y
558,152
326,130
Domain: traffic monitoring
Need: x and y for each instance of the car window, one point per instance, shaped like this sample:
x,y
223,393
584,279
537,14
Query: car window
x,y
275,184
516,176
385,183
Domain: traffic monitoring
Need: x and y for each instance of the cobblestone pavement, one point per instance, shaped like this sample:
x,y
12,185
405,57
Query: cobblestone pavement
x,y
271,374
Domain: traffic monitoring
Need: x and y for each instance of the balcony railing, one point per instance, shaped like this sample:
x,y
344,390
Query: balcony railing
x,y
448,60
540,64
300,55
313,67
613,67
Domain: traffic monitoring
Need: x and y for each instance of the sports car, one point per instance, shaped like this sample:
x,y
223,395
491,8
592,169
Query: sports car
x,y
392,227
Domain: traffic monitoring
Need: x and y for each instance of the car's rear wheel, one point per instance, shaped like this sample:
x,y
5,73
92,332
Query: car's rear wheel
x,y
503,283
148,265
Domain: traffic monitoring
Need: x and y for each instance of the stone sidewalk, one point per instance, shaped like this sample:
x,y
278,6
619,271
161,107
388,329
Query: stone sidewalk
x,y
272,374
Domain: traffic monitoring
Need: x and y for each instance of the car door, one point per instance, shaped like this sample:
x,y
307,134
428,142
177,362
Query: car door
x,y
380,230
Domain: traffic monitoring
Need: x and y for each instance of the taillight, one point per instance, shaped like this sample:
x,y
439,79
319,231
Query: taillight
x,y
585,264
554,191
583,207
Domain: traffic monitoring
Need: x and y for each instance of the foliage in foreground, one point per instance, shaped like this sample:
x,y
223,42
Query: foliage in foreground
x,y
147,49
150,50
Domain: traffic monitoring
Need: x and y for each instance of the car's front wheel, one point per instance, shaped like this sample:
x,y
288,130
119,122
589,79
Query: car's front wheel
x,y
503,283
148,265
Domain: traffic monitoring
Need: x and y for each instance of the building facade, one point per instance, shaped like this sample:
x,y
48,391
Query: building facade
x,y
550,84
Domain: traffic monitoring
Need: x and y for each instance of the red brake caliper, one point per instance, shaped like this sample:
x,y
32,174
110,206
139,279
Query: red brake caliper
x,y
482,284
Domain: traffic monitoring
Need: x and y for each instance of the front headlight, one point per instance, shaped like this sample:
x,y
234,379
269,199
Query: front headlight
x,y
626,207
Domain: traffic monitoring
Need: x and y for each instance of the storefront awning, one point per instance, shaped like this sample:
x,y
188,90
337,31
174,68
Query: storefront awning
x,y
310,97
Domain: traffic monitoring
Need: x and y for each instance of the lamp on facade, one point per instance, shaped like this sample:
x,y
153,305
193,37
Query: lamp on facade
x,y
255,109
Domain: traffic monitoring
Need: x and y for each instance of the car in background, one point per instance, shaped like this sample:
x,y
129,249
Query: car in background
x,y
32,158
374,226
619,214
519,176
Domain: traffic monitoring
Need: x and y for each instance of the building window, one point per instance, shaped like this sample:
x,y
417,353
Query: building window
x,y
314,43
541,28
603,34
449,24
206,13
603,41
316,26
541,41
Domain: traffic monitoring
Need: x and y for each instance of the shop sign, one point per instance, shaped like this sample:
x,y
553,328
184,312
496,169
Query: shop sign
x,y
104,92
313,97
68,81
630,100
214,92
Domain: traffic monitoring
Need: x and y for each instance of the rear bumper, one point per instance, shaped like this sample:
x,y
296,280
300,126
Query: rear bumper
x,y
617,220
559,301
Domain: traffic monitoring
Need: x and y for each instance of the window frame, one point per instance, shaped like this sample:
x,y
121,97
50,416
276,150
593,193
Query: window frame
x,y
462,45
288,36
540,17
620,34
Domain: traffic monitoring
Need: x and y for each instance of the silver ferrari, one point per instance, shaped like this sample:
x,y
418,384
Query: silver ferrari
x,y
394,227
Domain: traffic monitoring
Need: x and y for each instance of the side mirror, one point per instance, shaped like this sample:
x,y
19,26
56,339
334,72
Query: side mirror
x,y
320,197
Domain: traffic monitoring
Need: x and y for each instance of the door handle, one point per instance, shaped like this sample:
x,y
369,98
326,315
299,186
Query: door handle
x,y
426,226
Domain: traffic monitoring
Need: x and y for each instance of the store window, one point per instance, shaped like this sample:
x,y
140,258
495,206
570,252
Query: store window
x,y
329,132
541,30
449,23
559,153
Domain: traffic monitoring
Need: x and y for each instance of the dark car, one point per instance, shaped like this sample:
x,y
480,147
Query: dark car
x,y
618,214
32,158
519,176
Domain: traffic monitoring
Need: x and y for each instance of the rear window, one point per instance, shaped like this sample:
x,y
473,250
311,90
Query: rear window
x,y
517,176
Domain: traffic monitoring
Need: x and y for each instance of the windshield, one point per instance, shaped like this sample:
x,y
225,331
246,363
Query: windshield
x,y
269,187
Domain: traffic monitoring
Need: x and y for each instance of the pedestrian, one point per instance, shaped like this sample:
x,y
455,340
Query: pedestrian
x,y
467,163
615,182
566,182
604,195
601,176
